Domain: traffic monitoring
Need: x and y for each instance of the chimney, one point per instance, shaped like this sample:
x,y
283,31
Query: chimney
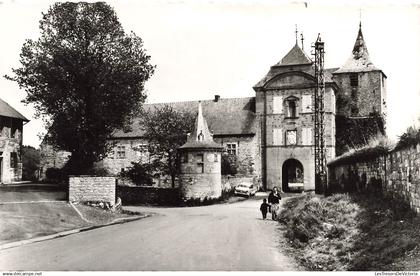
x,y
216,98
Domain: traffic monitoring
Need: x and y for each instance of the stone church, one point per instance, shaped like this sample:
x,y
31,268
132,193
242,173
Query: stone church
x,y
272,134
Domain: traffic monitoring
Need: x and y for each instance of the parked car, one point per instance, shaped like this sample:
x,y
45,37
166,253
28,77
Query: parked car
x,y
246,189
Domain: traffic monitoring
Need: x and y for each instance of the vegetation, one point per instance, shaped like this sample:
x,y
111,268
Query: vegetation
x,y
85,77
350,231
166,130
410,138
30,163
354,133
140,174
229,164
376,147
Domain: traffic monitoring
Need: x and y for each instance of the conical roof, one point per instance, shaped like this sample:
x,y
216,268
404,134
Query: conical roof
x,y
294,57
201,137
359,60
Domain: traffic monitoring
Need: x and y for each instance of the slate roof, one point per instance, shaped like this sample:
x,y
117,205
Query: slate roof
x,y
294,57
229,116
201,137
8,111
359,60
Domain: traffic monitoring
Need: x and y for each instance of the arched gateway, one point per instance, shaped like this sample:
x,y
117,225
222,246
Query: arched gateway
x,y
292,172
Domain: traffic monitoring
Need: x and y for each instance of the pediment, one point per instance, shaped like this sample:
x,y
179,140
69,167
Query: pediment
x,y
290,80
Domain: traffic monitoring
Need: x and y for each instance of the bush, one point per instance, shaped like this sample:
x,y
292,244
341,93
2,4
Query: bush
x,y
56,175
140,174
229,164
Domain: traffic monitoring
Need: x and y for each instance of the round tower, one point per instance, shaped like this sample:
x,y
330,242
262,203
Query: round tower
x,y
200,157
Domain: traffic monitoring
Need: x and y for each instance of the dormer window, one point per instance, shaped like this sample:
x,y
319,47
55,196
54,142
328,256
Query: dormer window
x,y
200,136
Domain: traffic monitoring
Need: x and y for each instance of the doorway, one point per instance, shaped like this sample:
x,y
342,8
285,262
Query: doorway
x,y
292,180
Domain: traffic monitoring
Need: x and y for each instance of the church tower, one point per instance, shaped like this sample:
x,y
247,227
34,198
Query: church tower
x,y
362,86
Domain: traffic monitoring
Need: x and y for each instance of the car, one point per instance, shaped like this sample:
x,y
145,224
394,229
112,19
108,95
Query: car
x,y
246,189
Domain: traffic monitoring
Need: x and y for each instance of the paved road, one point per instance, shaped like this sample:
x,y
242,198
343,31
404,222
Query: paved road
x,y
218,237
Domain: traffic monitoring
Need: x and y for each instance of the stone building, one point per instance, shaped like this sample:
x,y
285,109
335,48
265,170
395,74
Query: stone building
x,y
200,168
11,125
272,133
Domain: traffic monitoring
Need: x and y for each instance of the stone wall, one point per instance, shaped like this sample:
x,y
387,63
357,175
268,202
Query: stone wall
x,y
148,195
368,96
201,184
92,189
248,152
51,158
396,173
124,152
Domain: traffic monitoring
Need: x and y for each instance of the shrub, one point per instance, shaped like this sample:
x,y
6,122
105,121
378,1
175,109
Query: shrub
x,y
229,164
140,174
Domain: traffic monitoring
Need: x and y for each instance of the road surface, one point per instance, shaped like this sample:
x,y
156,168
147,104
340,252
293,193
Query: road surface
x,y
218,237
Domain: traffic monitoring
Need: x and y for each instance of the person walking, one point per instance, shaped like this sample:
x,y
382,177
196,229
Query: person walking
x,y
264,208
274,200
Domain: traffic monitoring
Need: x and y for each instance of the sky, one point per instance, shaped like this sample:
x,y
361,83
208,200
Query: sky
x,y
207,47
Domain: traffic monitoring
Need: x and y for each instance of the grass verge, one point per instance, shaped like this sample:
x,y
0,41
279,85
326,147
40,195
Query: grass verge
x,y
352,232
29,220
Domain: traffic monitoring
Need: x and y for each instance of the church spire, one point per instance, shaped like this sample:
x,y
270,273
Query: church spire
x,y
359,60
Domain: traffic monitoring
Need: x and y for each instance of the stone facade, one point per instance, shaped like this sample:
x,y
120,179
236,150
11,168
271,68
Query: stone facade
x,y
200,169
396,173
247,152
50,158
366,96
92,189
285,108
197,184
10,149
124,152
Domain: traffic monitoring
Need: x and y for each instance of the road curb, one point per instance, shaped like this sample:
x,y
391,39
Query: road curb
x,y
70,232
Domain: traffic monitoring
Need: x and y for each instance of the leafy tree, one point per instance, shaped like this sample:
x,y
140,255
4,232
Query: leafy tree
x,y
30,162
85,77
166,129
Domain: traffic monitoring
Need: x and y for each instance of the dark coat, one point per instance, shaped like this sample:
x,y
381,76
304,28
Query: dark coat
x,y
274,199
264,208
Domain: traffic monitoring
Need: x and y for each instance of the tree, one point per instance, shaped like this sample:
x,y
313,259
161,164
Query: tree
x,y
30,162
85,77
166,129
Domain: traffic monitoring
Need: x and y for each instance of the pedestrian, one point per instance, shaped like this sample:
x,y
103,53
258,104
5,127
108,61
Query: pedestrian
x,y
264,208
274,200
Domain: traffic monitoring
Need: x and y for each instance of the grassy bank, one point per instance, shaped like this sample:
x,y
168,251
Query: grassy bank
x,y
352,232
29,220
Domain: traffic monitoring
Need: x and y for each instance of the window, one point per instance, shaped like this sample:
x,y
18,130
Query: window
x,y
184,158
216,158
306,136
307,103
13,160
354,80
121,152
200,163
291,137
231,148
277,104
277,136
291,109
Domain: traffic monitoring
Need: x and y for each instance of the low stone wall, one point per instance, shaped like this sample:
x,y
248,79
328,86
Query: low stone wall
x,y
148,195
396,173
92,189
